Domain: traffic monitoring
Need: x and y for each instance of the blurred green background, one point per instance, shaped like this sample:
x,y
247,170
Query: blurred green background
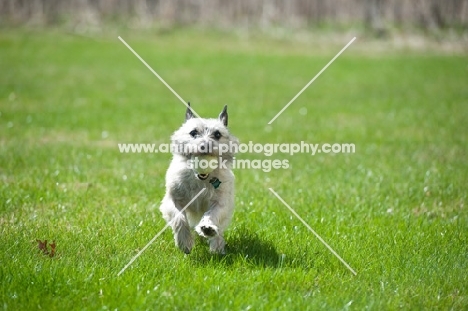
x,y
395,210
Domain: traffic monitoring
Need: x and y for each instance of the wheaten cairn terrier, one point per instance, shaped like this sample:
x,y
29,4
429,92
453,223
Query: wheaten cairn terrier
x,y
197,163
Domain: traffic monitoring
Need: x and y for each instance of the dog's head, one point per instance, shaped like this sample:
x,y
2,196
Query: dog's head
x,y
200,137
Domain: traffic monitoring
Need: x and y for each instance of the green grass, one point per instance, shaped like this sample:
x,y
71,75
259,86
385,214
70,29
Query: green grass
x,y
395,210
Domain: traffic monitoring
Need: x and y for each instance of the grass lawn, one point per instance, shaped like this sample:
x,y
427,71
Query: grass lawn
x,y
395,210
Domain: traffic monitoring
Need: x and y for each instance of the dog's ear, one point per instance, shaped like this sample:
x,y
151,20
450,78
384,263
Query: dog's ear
x,y
188,113
223,116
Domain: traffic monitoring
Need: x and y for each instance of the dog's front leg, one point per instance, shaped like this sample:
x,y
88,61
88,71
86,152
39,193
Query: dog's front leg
x,y
212,226
179,224
209,228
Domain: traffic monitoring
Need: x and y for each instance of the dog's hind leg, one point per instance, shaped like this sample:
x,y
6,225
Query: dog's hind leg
x,y
179,224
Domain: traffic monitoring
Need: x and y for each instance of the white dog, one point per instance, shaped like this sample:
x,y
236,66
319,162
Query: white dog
x,y
199,140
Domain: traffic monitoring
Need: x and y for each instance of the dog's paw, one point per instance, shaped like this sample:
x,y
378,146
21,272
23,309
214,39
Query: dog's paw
x,y
217,245
186,248
207,231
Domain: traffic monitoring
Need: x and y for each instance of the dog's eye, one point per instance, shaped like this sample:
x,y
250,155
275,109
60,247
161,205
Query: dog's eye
x,y
194,133
217,135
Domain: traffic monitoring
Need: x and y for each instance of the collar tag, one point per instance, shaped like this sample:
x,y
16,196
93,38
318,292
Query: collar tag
x,y
215,182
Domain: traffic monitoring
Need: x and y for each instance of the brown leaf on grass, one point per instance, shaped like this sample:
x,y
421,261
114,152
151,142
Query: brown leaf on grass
x,y
43,246
52,249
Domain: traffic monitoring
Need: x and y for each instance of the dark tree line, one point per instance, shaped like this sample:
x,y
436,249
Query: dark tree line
x,y
375,14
